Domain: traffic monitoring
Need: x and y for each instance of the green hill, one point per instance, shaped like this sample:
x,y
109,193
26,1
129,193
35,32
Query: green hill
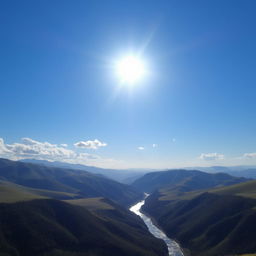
x,y
52,228
245,189
185,180
220,221
81,183
33,224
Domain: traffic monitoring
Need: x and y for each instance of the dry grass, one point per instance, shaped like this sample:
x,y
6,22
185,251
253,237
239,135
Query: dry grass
x,y
96,203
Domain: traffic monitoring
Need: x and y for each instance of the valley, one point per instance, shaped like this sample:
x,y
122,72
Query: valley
x,y
89,214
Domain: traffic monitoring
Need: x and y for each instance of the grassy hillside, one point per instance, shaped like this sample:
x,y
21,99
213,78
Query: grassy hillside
x,y
80,183
245,189
11,192
183,179
218,222
94,204
51,228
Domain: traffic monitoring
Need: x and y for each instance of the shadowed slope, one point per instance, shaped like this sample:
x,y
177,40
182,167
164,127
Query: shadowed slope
x,y
218,222
51,227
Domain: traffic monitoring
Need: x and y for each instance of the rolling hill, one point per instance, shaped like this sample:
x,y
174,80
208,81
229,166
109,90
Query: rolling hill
x,y
209,222
47,227
80,183
33,223
123,175
186,180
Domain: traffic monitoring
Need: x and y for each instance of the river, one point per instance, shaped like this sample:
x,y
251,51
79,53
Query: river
x,y
173,247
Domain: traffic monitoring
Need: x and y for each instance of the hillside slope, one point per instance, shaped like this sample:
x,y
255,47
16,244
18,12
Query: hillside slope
x,y
186,180
49,227
81,183
218,222
123,175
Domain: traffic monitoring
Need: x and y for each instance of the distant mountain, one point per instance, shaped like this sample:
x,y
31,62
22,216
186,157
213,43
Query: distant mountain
x,y
237,171
47,227
218,221
80,183
126,176
186,180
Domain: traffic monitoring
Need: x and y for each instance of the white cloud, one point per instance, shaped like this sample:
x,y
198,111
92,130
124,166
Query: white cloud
x,y
33,148
249,155
3,149
154,145
64,145
211,156
91,144
29,148
141,148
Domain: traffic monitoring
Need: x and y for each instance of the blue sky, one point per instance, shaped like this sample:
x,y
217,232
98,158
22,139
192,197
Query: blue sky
x,y
196,103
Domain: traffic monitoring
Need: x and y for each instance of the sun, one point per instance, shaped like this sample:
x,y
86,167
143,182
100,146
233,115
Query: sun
x,y
130,70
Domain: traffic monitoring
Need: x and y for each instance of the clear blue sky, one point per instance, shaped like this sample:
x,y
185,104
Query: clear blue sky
x,y
197,102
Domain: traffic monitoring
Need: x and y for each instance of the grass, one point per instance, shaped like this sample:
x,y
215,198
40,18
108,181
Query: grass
x,y
245,189
12,193
96,203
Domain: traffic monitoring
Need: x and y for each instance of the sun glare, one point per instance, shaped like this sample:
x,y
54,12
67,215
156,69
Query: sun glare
x,y
130,70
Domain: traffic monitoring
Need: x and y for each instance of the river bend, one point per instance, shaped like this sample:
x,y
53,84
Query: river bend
x,y
173,247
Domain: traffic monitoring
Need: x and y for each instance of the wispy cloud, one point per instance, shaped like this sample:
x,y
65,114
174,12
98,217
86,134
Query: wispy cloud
x,y
141,148
211,156
154,145
249,155
91,144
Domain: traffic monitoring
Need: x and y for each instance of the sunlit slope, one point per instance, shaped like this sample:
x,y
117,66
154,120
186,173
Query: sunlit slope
x,y
220,221
11,192
49,227
93,204
81,183
245,189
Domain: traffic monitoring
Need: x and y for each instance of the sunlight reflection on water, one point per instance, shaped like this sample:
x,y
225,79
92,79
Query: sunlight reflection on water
x,y
173,247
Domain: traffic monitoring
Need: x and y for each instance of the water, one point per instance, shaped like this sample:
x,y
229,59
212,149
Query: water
x,y
173,247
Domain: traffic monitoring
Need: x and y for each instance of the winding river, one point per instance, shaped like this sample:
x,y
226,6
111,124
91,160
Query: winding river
x,y
173,247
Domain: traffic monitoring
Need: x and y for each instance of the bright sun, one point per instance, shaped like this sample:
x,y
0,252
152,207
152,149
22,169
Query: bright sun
x,y
130,70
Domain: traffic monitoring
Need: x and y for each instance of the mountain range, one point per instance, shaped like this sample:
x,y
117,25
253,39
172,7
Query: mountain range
x,y
49,211
209,214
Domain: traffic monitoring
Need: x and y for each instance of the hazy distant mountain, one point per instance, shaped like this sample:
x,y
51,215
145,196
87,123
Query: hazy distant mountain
x,y
186,180
237,171
81,183
126,176
218,222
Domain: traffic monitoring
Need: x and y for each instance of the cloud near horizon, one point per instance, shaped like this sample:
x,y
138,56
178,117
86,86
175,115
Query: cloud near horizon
x,y
211,156
249,155
90,144
141,148
29,148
